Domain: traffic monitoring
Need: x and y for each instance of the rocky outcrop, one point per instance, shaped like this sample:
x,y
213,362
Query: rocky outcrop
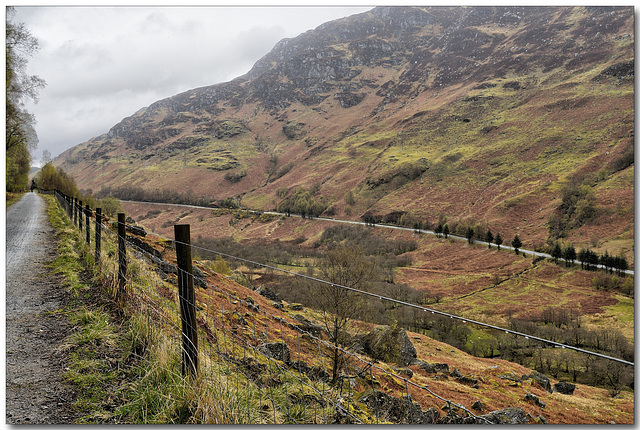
x,y
320,63
528,397
404,410
425,366
618,70
308,326
144,247
391,345
507,416
276,350
540,379
269,294
401,410
136,230
564,388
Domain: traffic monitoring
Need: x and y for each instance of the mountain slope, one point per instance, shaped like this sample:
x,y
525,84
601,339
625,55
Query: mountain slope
x,y
480,114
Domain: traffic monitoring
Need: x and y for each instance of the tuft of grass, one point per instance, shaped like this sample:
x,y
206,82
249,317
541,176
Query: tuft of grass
x,y
94,347
95,328
161,395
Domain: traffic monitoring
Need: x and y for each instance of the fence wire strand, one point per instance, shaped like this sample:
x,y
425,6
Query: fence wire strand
x,y
230,338
411,305
240,336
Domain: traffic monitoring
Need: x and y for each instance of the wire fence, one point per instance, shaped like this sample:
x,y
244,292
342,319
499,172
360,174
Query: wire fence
x,y
242,340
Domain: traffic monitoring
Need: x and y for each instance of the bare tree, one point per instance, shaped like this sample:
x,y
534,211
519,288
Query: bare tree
x,y
343,267
46,157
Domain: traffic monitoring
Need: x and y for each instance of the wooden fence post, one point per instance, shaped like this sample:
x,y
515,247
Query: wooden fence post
x,y
187,300
74,206
80,215
98,233
87,212
122,256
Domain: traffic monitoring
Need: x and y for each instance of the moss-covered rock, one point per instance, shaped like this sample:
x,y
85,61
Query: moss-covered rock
x,y
390,344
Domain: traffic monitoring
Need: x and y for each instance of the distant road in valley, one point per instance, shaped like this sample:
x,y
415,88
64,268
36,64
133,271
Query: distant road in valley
x,y
344,221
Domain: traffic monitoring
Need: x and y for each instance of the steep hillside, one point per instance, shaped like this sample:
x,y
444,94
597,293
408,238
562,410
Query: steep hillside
x,y
240,322
489,114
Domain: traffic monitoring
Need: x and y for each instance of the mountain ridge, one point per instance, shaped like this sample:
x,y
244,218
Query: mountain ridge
x,y
475,113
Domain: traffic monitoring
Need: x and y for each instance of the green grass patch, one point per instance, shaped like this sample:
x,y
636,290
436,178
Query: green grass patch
x,y
94,345
12,198
624,309
128,370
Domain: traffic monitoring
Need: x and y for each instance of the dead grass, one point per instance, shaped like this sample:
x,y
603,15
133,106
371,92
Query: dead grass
x,y
535,288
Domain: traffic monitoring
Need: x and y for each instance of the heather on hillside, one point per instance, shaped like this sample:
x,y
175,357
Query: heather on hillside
x,y
474,113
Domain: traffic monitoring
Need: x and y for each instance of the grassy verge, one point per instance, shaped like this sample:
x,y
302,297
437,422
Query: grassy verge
x,y
112,353
126,370
12,198
95,346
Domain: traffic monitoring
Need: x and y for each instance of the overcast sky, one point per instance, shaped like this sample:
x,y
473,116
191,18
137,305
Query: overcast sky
x,y
102,64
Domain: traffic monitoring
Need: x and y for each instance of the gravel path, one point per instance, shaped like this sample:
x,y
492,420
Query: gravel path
x,y
35,390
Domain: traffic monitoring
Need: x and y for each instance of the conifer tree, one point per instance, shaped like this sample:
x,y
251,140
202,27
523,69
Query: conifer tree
x,y
488,237
438,230
498,241
469,235
516,243
556,253
569,255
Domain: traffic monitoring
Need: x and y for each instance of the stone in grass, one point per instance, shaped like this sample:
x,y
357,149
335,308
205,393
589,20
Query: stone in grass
x,y
308,326
266,292
542,380
390,345
425,366
477,405
404,372
276,350
528,397
564,388
441,367
511,415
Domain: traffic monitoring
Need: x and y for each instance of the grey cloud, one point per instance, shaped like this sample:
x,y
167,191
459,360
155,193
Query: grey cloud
x,y
102,64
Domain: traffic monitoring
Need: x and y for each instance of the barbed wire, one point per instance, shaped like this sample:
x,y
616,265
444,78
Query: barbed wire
x,y
255,349
343,351
152,306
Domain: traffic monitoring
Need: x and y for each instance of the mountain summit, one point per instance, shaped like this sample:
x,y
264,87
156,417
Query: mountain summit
x,y
489,114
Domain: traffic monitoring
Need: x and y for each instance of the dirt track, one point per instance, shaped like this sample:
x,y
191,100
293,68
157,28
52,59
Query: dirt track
x,y
35,390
